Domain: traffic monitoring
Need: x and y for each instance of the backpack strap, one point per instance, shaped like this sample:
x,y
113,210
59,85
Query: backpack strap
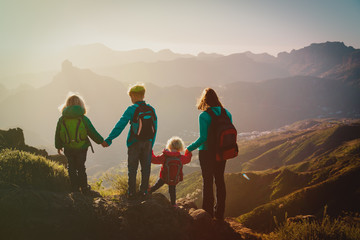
x,y
137,110
211,113
67,131
223,112
136,113
77,131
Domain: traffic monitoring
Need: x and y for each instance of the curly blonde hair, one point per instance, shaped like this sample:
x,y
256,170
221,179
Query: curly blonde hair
x,y
72,100
175,143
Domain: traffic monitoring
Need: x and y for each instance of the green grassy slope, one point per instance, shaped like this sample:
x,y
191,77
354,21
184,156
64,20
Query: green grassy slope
x,y
298,142
317,166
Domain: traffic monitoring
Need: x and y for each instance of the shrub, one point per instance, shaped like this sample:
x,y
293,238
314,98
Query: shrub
x,y
27,170
329,229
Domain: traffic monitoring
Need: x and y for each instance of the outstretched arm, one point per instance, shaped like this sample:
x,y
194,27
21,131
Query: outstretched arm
x,y
204,127
120,125
185,159
91,131
160,159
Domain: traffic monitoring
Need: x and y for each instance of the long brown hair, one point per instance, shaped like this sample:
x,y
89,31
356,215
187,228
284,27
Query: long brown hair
x,y
208,99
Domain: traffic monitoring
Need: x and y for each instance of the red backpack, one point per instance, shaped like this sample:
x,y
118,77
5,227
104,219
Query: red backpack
x,y
172,169
222,136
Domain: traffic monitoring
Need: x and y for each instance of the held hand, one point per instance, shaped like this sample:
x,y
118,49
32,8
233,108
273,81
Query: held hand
x,y
60,151
104,144
187,152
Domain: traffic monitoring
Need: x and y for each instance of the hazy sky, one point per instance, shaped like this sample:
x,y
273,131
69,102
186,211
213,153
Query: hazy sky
x,y
39,28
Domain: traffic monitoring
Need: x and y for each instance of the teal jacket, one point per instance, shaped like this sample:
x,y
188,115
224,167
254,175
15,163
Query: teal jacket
x,y
204,123
124,120
75,112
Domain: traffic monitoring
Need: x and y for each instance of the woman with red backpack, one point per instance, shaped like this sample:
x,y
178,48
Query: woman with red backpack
x,y
215,123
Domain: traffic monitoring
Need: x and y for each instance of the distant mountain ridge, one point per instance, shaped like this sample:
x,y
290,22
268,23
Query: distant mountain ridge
x,y
96,55
331,60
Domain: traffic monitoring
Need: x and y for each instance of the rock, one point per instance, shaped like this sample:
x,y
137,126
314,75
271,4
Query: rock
x,y
301,218
186,204
244,232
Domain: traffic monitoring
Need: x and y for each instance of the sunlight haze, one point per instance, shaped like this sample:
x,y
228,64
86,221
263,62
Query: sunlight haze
x,y
32,32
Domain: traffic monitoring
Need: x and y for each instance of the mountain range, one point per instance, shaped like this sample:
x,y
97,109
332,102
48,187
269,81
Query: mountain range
x,y
330,60
255,105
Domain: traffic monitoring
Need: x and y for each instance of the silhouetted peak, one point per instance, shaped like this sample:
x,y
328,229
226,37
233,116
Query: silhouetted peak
x,y
260,57
208,55
166,51
66,66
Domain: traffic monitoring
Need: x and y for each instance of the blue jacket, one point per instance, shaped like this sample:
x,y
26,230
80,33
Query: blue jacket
x,y
204,123
124,120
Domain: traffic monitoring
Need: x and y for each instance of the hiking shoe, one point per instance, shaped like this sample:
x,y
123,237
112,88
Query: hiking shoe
x,y
130,196
144,196
175,206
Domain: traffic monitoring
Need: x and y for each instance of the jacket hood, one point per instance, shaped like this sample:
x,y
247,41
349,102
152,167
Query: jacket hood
x,y
73,111
171,154
216,110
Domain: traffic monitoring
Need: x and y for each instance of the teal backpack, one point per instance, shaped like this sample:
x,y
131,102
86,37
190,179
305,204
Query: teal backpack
x,y
73,133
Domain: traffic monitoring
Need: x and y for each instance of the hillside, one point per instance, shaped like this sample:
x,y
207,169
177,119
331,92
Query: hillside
x,y
35,203
298,142
309,165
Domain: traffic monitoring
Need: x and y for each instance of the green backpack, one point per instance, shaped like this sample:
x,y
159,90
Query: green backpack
x,y
73,133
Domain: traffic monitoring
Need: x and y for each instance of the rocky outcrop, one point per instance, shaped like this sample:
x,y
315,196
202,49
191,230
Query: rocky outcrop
x,y
14,138
203,226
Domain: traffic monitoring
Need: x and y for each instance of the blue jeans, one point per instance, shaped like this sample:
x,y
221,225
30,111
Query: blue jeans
x,y
139,152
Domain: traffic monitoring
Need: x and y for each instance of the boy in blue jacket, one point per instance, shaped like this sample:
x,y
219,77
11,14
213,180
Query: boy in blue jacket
x,y
140,140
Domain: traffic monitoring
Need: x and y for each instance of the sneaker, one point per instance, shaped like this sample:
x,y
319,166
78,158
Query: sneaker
x,y
175,206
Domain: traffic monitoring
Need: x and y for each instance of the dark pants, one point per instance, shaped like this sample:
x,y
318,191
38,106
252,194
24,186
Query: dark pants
x,y
76,168
139,152
212,169
172,190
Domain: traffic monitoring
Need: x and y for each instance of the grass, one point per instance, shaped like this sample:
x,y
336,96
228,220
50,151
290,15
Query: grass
x,y
27,170
329,229
115,183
